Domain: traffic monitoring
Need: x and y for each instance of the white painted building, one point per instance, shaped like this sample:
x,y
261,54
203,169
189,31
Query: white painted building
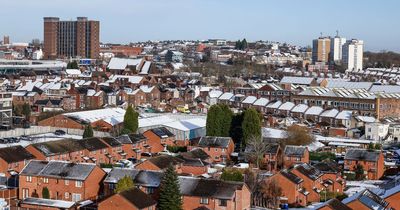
x,y
376,131
337,48
353,54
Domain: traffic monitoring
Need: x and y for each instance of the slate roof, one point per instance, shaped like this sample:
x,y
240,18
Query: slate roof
x,y
92,144
139,177
213,141
162,132
118,173
190,186
272,148
295,151
196,153
309,171
15,154
369,199
290,176
297,80
111,141
58,169
362,154
334,204
64,146
137,137
138,198
163,161
327,166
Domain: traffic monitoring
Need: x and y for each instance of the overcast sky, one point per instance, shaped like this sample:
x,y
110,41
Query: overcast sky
x,y
292,21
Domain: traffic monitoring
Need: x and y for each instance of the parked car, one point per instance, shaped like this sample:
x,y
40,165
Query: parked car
x,y
59,132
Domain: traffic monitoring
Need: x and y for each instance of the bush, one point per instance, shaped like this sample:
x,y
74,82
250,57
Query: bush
x,y
341,196
106,165
176,149
320,156
45,193
350,176
232,175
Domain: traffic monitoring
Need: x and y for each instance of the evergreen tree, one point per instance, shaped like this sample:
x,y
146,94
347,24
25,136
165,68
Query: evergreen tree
x,y
232,175
251,125
26,111
72,65
170,196
213,124
45,193
226,120
236,131
124,184
131,121
244,44
88,132
238,45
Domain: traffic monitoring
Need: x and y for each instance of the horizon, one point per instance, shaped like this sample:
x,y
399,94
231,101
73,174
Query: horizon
x,y
294,22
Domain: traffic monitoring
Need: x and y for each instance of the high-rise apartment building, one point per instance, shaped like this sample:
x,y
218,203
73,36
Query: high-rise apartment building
x,y
321,49
337,43
65,39
353,51
6,40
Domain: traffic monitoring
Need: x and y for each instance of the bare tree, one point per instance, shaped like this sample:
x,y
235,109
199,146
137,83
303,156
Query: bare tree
x,y
271,191
256,149
298,135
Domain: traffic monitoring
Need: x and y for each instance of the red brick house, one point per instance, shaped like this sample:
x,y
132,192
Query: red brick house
x,y
294,155
161,163
332,176
364,200
218,148
392,196
333,204
312,180
134,199
64,180
272,157
372,162
292,188
13,159
115,151
214,194
159,138
147,181
66,150
61,121
134,145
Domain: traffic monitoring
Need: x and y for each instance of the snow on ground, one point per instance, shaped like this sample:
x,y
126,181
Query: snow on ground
x,y
315,145
42,138
353,187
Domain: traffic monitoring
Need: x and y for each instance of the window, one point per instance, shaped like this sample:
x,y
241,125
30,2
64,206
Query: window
x,y
76,197
45,180
78,183
66,182
149,190
29,179
66,195
203,200
222,203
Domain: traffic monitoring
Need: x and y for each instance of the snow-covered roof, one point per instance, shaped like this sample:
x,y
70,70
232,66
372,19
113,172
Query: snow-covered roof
x,y
261,102
146,68
73,71
132,79
214,93
187,125
122,63
273,133
385,88
274,105
300,108
146,88
314,110
226,96
366,119
348,85
297,80
344,115
287,106
98,114
249,100
329,113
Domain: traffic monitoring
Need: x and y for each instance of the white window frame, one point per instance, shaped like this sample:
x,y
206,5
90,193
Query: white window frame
x,y
78,183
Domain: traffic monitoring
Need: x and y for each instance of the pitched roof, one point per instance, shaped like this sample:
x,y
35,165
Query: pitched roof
x,y
328,166
163,161
195,153
219,189
51,148
297,151
140,177
15,154
309,171
138,198
290,176
297,80
334,204
92,144
58,169
111,141
162,132
362,154
272,148
214,141
57,204
369,199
